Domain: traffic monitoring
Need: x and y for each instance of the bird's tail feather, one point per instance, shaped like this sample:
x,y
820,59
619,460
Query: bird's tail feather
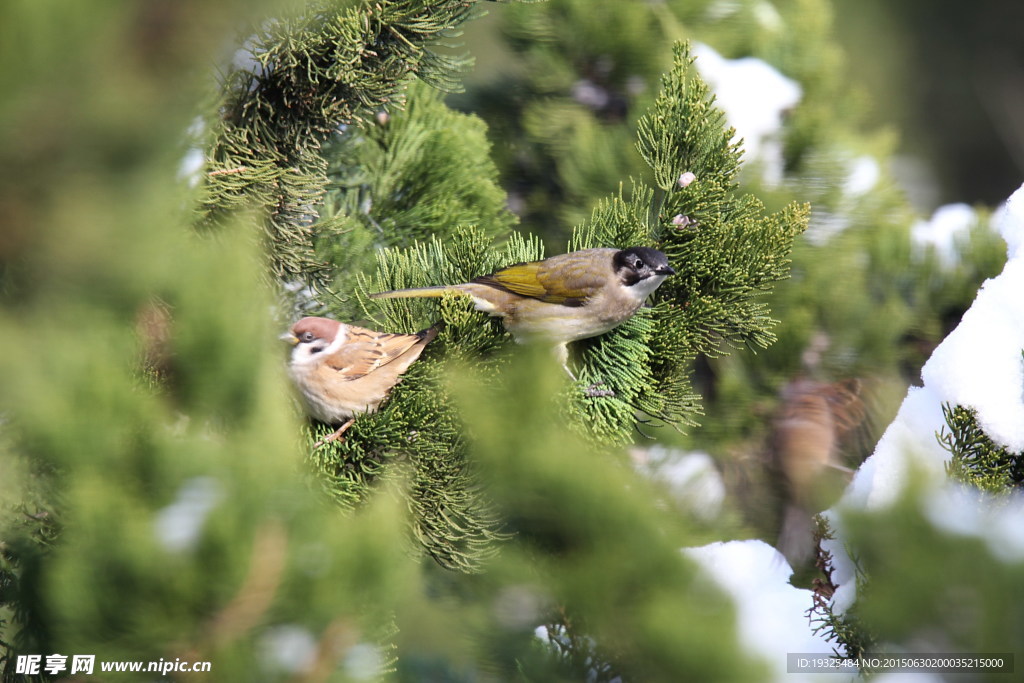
x,y
417,292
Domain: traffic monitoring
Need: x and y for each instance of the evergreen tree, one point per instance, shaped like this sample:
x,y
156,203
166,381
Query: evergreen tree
x,y
378,174
164,514
297,79
863,301
146,522
729,257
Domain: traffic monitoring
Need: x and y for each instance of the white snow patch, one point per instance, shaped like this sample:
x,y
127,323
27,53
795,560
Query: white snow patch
x,y
755,98
862,176
979,366
1009,220
289,647
947,225
771,613
191,165
691,478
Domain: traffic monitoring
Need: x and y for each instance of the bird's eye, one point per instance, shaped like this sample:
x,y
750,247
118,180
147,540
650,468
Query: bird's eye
x,y
638,264
306,337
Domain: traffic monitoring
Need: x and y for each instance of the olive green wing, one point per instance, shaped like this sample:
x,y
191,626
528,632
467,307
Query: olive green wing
x,y
567,279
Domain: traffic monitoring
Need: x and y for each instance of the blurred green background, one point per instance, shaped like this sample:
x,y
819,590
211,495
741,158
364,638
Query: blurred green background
x,y
950,77
946,76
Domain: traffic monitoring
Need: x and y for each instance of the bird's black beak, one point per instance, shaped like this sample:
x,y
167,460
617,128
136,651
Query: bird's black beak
x,y
665,270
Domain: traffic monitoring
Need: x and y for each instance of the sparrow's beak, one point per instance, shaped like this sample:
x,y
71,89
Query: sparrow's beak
x,y
665,270
290,338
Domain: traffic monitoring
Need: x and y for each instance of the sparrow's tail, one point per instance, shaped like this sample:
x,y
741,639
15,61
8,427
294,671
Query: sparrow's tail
x,y
418,292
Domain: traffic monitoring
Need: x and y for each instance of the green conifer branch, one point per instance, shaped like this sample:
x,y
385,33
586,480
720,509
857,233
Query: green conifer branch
x,y
847,630
976,459
380,174
333,65
418,426
729,255
726,251
685,132
403,178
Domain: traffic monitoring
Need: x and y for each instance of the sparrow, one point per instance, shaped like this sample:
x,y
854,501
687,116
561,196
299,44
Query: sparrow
x,y
562,298
805,446
342,371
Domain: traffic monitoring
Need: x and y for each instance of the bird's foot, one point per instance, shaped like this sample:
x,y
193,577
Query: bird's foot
x,y
335,435
595,391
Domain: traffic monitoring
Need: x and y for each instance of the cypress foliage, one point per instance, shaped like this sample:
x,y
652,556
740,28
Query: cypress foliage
x,y
386,175
299,77
144,521
976,459
863,301
729,255
379,175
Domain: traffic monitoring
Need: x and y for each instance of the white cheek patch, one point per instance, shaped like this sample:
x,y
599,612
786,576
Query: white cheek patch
x,y
303,354
342,336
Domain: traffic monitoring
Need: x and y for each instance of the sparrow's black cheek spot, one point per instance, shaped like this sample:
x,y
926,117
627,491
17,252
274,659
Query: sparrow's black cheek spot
x,y
316,349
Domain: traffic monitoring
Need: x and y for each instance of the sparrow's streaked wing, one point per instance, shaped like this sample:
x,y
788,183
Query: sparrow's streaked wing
x,y
365,351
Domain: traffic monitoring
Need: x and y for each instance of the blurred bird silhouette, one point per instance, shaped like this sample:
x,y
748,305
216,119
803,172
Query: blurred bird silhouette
x,y
803,453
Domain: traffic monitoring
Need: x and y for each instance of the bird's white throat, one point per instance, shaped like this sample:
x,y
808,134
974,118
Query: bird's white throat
x,y
646,287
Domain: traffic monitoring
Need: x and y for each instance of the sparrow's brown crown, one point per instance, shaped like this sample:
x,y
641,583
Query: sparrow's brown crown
x,y
308,329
